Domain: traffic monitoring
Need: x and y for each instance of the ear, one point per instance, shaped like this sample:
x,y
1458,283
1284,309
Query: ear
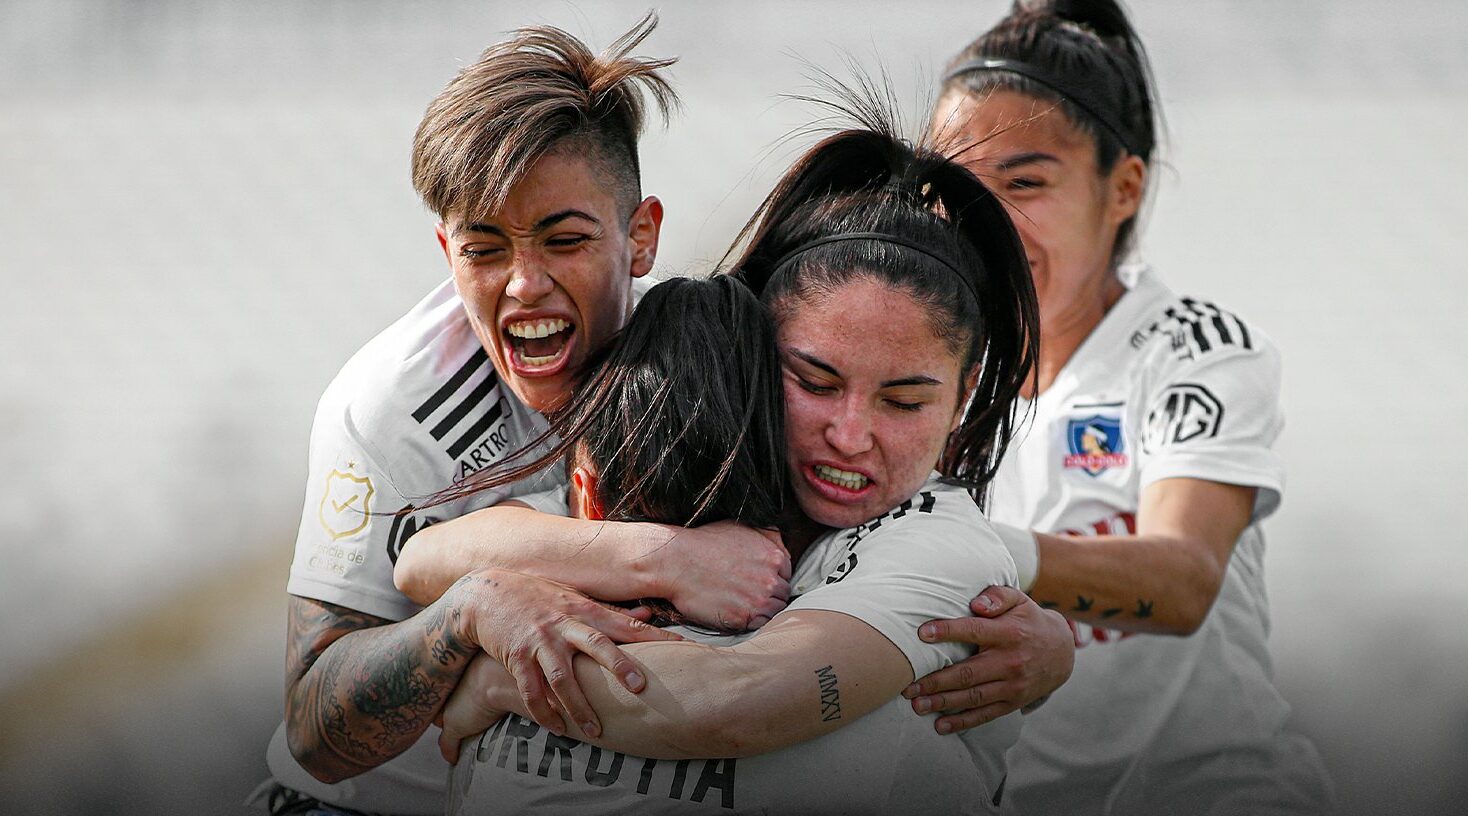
x,y
442,231
583,494
1127,183
646,224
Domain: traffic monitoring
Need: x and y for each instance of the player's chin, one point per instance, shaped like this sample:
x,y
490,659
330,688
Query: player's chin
x,y
837,515
542,393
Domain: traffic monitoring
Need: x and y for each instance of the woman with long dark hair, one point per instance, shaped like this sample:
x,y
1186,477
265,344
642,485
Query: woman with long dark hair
x,y
1133,504
904,321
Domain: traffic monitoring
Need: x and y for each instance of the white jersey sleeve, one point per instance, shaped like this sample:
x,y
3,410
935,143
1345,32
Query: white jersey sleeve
x,y
1215,416
925,559
418,409
348,518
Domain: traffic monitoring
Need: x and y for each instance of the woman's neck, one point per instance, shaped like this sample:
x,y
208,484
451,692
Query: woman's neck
x,y
1065,327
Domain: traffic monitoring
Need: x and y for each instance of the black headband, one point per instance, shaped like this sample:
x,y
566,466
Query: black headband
x,y
1084,98
884,238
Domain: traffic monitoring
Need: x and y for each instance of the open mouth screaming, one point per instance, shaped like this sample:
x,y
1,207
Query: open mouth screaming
x,y
539,344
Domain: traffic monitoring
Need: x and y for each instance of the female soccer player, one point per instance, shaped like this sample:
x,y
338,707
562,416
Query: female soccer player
x,y
1139,488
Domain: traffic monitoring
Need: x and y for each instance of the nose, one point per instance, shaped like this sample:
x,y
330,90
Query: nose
x,y
849,431
529,280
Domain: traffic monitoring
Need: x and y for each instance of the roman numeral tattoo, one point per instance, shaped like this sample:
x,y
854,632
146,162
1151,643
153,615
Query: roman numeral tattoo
x,y
830,694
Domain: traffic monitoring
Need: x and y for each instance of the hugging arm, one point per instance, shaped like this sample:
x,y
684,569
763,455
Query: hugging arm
x,y
360,690
848,646
1024,654
806,674
1163,580
722,574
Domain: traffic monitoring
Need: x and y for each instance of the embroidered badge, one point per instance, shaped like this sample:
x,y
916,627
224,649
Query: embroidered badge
x,y
1095,444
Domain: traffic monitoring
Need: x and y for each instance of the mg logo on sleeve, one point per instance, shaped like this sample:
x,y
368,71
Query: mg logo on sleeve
x,y
1181,414
345,504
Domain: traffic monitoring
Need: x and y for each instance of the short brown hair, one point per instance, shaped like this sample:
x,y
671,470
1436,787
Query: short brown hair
x,y
525,97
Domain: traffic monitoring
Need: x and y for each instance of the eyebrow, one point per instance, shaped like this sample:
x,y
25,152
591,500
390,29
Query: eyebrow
x,y
1032,157
920,379
544,223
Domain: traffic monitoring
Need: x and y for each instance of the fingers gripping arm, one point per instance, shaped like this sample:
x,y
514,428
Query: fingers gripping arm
x,y
1025,653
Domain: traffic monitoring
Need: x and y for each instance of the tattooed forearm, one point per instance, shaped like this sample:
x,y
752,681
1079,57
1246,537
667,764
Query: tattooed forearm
x,y
1086,608
830,694
361,690
314,625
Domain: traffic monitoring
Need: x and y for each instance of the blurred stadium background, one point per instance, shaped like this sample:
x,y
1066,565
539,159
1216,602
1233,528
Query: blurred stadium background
x,y
206,209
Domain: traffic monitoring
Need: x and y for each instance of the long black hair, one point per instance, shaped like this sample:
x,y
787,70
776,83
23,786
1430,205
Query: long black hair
x,y
1082,55
945,240
680,415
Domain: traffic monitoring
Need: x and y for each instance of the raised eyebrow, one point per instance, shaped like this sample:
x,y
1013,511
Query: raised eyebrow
x,y
1032,157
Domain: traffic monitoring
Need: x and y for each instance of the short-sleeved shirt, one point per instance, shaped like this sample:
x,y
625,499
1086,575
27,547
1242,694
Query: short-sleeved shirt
x,y
924,559
1164,387
419,408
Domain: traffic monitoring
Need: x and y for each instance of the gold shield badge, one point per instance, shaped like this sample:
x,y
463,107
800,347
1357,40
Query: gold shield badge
x,y
346,504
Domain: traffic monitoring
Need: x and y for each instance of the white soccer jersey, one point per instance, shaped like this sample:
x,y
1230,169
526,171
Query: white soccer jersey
x,y
417,409
925,559
1164,387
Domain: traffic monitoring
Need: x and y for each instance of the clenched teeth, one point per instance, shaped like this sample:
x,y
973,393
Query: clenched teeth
x,y
845,478
530,329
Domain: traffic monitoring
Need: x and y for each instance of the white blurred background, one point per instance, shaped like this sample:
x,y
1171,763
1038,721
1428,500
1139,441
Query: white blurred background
x,y
205,208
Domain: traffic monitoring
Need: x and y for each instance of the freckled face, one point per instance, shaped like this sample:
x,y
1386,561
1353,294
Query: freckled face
x,y
1044,168
548,278
871,394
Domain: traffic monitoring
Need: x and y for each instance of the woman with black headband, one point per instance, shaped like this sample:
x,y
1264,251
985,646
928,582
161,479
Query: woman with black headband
x,y
1133,502
903,328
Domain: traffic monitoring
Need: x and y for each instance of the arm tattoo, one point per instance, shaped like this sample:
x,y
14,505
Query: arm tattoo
x,y
1143,609
830,694
354,702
